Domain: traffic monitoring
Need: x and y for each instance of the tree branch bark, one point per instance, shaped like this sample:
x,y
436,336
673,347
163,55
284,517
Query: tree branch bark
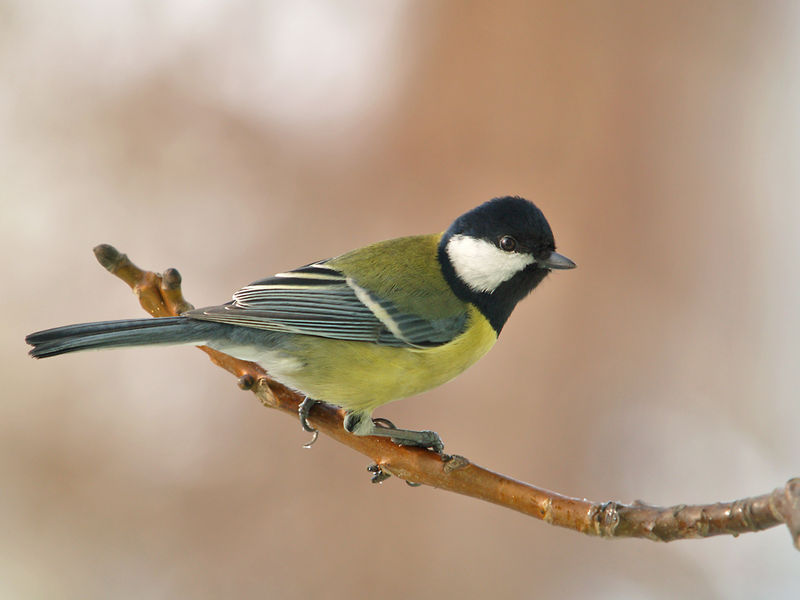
x,y
161,295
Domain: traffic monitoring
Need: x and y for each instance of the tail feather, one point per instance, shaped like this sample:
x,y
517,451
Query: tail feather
x,y
116,334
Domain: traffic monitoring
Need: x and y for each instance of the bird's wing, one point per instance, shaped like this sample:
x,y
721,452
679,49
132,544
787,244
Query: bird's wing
x,y
320,300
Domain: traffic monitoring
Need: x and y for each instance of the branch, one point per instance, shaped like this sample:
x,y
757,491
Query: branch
x,y
161,295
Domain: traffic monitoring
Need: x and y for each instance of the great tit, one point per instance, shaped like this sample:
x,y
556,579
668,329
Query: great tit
x,y
380,323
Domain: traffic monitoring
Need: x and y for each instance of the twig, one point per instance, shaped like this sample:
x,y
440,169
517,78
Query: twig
x,y
161,295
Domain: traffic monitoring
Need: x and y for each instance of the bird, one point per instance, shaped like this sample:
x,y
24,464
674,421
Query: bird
x,y
384,322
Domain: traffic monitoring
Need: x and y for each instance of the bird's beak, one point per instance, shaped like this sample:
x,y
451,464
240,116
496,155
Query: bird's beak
x,y
556,261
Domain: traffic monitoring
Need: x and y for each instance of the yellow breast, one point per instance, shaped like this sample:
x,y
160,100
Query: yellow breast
x,y
362,376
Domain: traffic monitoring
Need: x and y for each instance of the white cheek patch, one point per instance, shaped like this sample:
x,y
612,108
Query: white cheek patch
x,y
481,265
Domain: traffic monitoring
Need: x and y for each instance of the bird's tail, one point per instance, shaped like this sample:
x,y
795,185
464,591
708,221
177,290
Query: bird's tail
x,y
117,334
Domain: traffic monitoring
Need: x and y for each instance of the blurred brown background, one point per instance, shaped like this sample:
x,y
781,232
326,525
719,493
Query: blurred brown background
x,y
234,139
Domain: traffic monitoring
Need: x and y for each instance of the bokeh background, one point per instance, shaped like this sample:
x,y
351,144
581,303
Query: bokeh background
x,y
233,139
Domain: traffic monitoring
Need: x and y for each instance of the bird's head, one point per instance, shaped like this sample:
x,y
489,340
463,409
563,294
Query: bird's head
x,y
495,254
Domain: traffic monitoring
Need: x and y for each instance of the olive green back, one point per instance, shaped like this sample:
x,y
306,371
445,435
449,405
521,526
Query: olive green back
x,y
395,270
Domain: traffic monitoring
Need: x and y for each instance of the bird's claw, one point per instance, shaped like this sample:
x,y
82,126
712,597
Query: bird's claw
x,y
383,423
314,436
303,411
378,474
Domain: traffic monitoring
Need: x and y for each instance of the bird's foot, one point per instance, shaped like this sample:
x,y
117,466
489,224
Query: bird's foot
x,y
303,411
361,424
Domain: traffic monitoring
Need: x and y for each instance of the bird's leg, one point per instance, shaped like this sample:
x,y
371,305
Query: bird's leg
x,y
304,410
359,423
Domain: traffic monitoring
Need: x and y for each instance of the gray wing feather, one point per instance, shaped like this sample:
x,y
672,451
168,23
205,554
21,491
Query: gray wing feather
x,y
317,300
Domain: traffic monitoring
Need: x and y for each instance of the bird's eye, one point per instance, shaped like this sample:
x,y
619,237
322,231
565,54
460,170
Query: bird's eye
x,y
508,243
